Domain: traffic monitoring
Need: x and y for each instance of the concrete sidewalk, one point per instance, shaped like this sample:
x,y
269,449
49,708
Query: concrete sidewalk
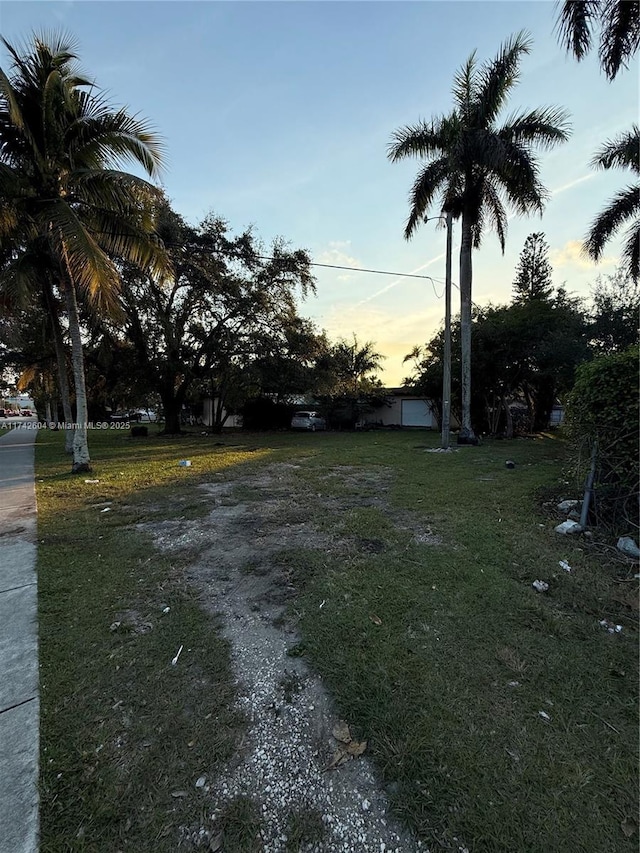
x,y
19,705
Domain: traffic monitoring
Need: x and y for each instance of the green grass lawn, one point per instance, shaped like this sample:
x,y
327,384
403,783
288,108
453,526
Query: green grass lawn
x,y
463,752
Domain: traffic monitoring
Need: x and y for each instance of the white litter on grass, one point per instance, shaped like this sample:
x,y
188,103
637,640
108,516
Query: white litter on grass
x,y
611,628
442,450
564,565
185,463
540,586
544,716
201,781
166,609
106,509
92,481
174,660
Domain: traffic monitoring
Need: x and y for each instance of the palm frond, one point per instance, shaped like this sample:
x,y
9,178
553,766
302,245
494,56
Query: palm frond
x,y
108,188
430,181
624,206
622,152
495,211
631,251
574,26
84,260
420,140
620,35
465,85
128,239
513,165
498,77
103,138
544,127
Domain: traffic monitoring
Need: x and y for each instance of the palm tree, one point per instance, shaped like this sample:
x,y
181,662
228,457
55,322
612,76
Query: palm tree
x,y
622,152
619,30
475,165
60,190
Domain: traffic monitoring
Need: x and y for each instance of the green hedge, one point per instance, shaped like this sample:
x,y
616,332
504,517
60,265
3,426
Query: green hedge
x,y
604,406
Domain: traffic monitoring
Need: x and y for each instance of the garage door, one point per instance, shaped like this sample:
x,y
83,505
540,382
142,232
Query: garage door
x,y
417,413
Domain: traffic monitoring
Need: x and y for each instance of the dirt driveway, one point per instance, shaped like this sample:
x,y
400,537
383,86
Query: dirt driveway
x,y
298,762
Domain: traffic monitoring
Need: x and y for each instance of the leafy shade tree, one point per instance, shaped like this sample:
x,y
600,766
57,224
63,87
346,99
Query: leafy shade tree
x,y
475,165
63,195
524,353
619,22
533,273
615,313
624,208
225,305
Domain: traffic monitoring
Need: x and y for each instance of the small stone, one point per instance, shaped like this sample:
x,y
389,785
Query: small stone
x,y
567,506
628,547
568,528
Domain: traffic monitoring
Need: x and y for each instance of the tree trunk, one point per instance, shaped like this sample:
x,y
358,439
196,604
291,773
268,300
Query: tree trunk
x,y
509,418
63,378
172,405
81,458
466,435
47,411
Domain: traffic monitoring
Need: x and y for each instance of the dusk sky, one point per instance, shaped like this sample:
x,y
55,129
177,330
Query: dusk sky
x,y
279,114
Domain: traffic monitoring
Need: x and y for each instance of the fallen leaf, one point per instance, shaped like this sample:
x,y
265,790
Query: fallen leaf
x,y
354,748
339,757
375,619
628,826
341,732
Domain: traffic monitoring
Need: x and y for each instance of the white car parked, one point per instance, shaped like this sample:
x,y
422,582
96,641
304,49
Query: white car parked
x,y
308,420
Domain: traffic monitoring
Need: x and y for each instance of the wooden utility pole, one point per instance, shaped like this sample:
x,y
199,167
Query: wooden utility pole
x,y
446,362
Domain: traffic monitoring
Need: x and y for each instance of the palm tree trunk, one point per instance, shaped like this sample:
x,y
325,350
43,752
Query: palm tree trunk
x,y
81,457
63,379
466,435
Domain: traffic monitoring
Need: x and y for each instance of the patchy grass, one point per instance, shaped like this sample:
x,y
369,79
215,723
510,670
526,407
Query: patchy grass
x,y
304,827
124,733
420,642
443,656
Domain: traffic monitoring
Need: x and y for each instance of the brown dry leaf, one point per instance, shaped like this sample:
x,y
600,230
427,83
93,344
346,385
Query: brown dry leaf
x,y
339,757
375,619
341,732
354,748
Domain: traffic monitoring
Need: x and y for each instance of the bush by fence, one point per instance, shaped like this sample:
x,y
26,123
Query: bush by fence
x,y
603,407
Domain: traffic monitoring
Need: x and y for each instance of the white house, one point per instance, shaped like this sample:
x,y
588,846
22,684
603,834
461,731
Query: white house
x,y
403,409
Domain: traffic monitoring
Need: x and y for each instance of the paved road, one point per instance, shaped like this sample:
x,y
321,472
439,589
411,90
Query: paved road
x,y
19,705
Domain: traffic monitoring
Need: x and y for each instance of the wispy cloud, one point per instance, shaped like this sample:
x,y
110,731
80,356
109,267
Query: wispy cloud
x,y
572,184
571,255
337,254
398,281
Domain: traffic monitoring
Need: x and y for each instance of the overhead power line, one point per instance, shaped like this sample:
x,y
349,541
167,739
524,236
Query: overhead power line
x,y
361,269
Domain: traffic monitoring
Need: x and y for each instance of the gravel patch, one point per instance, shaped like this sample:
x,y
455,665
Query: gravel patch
x,y
289,759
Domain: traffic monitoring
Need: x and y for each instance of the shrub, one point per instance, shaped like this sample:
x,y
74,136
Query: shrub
x,y
604,407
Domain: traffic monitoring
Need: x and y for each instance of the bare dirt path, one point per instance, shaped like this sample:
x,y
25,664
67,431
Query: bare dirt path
x,y
296,762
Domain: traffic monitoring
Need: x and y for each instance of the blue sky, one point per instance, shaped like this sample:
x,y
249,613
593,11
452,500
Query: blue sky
x,y
279,114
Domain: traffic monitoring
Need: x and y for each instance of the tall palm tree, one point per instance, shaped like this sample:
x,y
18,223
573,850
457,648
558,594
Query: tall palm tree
x,y
619,22
475,166
61,144
622,152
